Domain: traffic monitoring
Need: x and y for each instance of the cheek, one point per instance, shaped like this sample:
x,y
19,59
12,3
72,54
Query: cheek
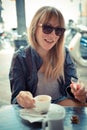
x,y
57,38
38,33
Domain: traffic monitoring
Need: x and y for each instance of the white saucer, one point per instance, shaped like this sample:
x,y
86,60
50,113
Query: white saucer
x,y
32,116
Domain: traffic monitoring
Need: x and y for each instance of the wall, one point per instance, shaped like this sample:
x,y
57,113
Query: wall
x,y
69,8
9,14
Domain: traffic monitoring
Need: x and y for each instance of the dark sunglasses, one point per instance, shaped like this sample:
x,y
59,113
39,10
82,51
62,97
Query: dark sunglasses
x,y
47,29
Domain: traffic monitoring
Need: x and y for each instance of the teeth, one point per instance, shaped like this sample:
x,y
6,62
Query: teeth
x,y
50,41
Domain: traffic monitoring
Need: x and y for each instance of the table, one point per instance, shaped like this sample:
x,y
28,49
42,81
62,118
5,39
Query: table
x,y
11,120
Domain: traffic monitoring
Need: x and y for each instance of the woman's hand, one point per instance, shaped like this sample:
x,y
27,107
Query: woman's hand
x,y
25,99
79,91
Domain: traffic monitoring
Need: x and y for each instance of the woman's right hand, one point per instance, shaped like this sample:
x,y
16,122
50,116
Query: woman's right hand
x,y
25,99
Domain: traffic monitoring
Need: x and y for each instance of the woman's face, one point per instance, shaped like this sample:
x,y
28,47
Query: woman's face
x,y
47,41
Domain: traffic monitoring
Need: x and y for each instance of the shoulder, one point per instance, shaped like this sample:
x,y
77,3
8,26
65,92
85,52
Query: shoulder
x,y
28,51
28,54
21,55
23,52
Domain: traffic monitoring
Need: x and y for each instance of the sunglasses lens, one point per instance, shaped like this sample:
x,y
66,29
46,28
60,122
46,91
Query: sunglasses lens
x,y
47,29
59,31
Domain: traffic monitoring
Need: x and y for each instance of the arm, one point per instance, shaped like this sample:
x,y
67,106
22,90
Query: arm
x,y
69,71
70,68
17,78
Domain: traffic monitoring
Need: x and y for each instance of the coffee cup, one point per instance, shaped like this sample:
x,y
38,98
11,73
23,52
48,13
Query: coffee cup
x,y
42,103
55,119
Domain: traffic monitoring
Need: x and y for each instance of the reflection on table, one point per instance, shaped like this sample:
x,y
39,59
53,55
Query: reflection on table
x,y
10,119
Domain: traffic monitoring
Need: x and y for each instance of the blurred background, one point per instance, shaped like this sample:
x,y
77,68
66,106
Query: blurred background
x,y
15,18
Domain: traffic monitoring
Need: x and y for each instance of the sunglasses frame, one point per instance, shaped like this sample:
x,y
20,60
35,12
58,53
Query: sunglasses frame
x,y
50,29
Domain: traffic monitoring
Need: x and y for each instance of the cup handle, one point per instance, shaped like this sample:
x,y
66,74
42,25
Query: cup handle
x,y
44,122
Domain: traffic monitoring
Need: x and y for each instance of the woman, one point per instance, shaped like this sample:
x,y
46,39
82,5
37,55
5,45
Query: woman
x,y
45,67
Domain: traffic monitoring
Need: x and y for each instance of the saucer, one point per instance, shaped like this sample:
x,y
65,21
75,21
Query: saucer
x,y
31,112
33,116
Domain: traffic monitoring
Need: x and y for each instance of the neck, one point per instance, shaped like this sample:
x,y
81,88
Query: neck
x,y
43,54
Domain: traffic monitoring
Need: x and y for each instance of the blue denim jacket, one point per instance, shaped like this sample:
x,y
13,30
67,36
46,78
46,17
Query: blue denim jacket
x,y
23,72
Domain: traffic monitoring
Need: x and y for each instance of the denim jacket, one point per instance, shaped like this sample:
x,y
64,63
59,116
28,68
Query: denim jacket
x,y
23,72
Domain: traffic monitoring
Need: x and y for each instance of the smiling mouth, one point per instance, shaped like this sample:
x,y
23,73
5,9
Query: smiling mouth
x,y
49,41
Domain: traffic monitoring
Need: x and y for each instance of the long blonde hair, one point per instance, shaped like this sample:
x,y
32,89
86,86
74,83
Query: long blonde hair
x,y
55,64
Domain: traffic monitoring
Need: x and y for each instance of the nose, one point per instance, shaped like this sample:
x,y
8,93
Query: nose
x,y
53,33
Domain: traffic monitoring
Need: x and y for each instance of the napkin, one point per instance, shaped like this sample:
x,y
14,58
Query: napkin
x,y
31,115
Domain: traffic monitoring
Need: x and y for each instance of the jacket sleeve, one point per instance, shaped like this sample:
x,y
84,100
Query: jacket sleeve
x,y
16,77
70,70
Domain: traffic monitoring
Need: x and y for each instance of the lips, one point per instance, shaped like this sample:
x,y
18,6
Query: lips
x,y
49,41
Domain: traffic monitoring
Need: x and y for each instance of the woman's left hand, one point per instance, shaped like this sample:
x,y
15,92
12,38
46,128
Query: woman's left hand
x,y
79,91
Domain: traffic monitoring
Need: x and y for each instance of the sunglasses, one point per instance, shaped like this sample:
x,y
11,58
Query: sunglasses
x,y
47,29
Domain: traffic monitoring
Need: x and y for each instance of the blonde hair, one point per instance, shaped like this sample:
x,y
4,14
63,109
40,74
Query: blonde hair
x,y
55,63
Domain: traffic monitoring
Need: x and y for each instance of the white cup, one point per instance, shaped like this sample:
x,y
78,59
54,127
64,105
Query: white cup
x,y
55,119
42,103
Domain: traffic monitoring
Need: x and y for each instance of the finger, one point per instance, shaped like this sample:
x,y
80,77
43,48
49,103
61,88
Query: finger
x,y
73,87
26,103
25,99
20,101
29,101
81,99
29,94
81,91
